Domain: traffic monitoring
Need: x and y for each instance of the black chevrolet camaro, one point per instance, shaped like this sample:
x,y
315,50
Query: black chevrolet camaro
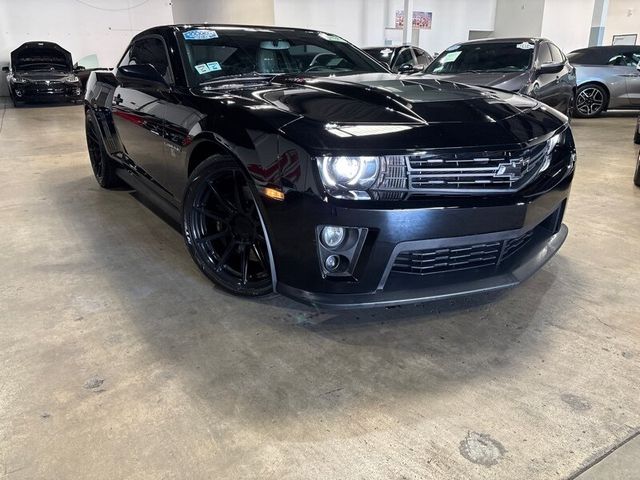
x,y
297,164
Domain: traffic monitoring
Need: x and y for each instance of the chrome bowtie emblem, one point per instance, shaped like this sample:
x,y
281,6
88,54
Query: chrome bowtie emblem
x,y
513,169
47,82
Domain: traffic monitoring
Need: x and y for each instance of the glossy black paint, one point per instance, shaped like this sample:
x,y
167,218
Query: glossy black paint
x,y
553,83
42,71
398,58
275,124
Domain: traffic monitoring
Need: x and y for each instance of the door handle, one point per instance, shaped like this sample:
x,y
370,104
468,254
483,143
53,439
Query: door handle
x,y
117,100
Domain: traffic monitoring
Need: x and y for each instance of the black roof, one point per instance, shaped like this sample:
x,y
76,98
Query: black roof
x,y
599,55
504,40
188,26
607,49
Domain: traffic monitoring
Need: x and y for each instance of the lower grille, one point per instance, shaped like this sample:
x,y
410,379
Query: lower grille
x,y
453,259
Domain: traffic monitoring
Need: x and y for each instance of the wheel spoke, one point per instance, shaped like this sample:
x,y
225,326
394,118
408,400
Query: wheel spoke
x,y
225,255
225,204
244,263
210,214
259,256
214,236
236,193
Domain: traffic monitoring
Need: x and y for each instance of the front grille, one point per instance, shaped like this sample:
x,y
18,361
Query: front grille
x,y
42,86
465,257
455,171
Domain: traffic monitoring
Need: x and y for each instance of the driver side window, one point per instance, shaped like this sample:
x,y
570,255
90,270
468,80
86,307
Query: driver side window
x,y
404,57
544,54
149,50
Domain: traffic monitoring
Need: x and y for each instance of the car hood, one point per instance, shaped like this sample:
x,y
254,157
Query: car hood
x,y
398,111
45,53
511,81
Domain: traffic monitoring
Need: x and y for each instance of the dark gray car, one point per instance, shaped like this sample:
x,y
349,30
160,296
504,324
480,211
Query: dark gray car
x,y
531,66
608,78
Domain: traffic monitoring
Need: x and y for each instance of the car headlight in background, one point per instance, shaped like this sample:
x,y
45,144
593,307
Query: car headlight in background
x,y
19,80
349,174
71,79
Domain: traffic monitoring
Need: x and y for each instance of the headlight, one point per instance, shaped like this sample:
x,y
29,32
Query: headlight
x,y
562,140
350,174
19,80
71,79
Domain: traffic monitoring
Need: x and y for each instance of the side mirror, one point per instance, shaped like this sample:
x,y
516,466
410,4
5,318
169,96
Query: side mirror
x,y
143,76
5,69
78,68
407,68
550,68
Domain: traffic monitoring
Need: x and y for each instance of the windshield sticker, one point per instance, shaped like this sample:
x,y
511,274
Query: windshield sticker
x,y
202,68
214,66
199,34
525,46
332,38
450,57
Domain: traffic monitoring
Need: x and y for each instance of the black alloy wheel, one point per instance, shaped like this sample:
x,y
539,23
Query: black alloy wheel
x,y
636,176
636,135
591,101
101,164
223,230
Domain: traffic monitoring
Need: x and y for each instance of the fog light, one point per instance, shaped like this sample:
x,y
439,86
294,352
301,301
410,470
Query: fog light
x,y
332,263
332,237
18,93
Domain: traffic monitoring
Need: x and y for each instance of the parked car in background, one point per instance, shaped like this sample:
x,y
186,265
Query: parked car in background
x,y
336,183
607,77
42,71
83,68
401,59
531,66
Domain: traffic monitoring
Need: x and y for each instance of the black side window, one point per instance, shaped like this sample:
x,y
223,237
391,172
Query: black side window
x,y
422,57
126,60
404,57
152,51
544,54
556,54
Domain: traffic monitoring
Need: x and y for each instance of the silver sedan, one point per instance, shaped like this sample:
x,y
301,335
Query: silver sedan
x,y
607,77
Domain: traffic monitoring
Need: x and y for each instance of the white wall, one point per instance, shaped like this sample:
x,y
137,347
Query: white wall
x,y
363,22
623,16
254,12
84,27
519,18
567,23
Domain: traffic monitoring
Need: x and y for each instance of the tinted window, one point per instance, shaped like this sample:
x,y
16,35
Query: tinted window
x,y
544,54
212,54
383,55
483,57
628,59
556,54
404,57
148,50
422,57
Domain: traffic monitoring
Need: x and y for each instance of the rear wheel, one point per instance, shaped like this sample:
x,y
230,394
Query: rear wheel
x,y
223,230
636,177
591,101
103,168
636,136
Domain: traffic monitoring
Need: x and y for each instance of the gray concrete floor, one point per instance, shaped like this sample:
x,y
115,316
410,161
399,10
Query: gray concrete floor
x,y
118,359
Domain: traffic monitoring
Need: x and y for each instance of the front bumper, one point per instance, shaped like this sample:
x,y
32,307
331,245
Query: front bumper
x,y
376,280
41,92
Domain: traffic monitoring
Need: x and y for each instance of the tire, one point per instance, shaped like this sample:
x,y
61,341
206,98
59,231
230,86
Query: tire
x,y
636,176
103,167
636,136
591,100
223,230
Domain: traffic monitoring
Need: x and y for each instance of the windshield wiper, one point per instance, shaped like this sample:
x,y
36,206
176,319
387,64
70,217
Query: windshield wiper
x,y
253,74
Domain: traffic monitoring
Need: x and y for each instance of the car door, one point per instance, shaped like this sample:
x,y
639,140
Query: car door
x,y
632,77
565,79
138,110
545,86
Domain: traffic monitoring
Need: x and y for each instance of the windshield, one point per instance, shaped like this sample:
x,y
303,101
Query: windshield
x,y
484,57
220,52
384,54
